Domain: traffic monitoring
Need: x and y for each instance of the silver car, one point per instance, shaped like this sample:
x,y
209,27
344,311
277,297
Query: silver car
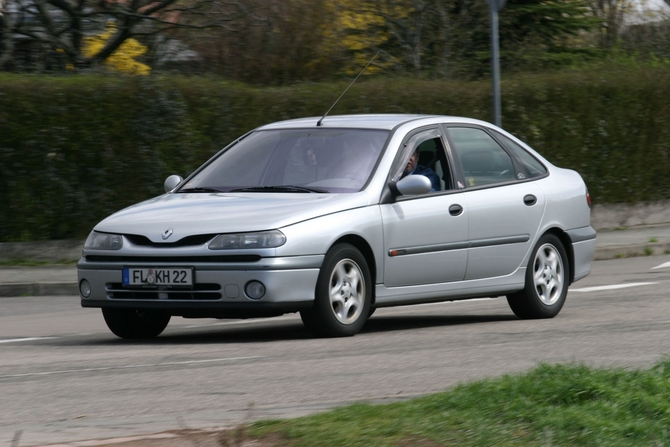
x,y
336,217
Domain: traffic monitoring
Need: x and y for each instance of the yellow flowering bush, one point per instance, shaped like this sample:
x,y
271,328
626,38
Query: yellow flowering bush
x,y
123,59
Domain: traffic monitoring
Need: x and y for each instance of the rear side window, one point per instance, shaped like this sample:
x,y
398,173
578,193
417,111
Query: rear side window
x,y
532,165
483,160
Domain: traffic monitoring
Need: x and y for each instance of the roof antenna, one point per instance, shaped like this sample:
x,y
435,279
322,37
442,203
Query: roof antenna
x,y
345,90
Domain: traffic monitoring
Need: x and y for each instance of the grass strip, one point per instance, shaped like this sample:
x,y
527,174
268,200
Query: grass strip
x,y
561,405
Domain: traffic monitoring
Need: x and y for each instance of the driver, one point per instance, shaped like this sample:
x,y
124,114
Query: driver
x,y
414,168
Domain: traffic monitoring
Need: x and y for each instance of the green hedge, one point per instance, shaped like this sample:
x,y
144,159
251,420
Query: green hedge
x,y
74,149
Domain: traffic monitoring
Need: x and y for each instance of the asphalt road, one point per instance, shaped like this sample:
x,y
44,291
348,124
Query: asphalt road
x,y
64,377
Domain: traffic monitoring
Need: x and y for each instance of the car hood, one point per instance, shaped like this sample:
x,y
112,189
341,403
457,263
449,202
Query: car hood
x,y
211,213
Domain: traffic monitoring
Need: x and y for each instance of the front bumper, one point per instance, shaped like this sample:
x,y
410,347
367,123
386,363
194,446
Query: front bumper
x,y
218,289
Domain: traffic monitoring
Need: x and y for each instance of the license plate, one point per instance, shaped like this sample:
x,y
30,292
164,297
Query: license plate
x,y
172,277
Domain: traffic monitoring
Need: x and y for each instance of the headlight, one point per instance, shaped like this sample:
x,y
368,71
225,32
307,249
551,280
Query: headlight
x,y
103,241
262,239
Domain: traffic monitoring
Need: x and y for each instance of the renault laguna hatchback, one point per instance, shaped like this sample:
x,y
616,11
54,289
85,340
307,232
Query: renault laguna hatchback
x,y
335,217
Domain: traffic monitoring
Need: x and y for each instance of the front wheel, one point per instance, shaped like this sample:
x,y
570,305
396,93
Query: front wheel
x,y
135,323
547,281
343,294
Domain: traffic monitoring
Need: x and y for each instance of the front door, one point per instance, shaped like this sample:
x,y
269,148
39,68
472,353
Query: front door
x,y
425,237
423,242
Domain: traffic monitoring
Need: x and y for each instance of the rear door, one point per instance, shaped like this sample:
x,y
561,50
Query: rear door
x,y
505,207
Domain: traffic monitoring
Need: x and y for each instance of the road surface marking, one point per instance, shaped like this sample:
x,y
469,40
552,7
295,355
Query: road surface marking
x,y
16,340
667,264
110,368
613,287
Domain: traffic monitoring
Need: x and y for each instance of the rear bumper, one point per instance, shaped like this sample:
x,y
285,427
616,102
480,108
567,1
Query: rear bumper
x,y
583,248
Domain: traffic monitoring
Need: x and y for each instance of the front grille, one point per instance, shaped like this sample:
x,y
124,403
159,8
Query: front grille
x,y
198,239
199,292
174,259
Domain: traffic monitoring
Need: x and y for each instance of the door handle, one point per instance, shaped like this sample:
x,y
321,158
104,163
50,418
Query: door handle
x,y
530,200
455,210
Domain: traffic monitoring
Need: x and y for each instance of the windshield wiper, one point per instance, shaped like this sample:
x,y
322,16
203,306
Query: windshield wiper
x,y
200,189
279,188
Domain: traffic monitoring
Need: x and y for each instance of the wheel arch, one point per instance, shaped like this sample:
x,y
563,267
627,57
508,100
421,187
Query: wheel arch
x,y
366,250
567,246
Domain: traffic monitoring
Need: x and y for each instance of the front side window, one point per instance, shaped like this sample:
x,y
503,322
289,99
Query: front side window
x,y
483,160
424,155
314,160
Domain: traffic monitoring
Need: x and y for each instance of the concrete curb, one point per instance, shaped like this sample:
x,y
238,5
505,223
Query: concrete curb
x,y
66,250
38,289
630,251
612,216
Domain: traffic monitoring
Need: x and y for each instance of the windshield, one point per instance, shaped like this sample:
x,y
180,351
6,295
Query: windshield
x,y
303,161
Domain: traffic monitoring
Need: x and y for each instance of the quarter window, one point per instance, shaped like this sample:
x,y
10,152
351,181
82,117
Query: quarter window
x,y
534,167
483,160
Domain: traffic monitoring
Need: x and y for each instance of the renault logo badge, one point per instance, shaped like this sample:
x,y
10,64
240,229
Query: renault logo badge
x,y
167,233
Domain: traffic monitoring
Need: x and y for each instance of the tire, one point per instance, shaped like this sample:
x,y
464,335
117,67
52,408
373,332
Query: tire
x,y
135,323
342,296
547,281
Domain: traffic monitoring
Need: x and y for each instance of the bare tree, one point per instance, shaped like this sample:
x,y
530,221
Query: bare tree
x,y
6,30
612,14
407,21
59,26
282,42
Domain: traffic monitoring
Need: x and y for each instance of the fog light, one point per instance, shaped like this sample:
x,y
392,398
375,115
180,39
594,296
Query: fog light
x,y
85,288
254,290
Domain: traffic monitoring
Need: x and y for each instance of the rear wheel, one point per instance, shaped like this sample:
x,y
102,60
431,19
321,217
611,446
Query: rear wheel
x,y
547,281
135,323
343,294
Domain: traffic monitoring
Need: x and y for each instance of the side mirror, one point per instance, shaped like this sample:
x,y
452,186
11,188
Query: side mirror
x,y
172,182
413,185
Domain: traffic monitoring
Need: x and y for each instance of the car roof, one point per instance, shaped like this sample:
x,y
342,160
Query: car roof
x,y
376,121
